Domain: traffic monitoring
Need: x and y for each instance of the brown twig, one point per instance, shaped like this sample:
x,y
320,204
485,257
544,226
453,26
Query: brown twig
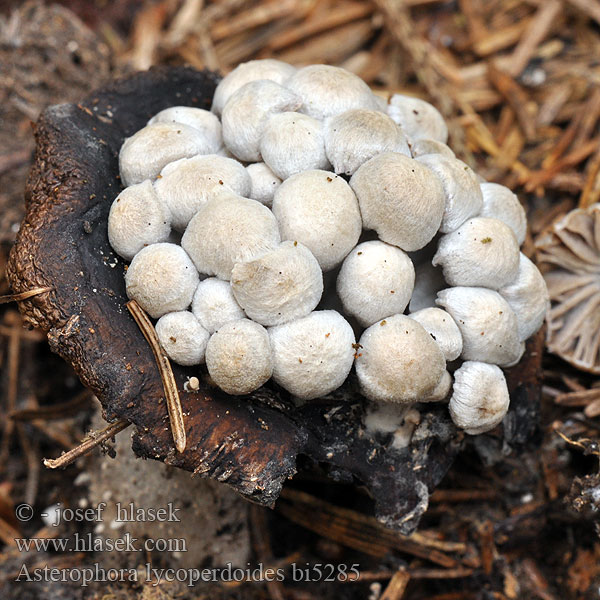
x,y
24,295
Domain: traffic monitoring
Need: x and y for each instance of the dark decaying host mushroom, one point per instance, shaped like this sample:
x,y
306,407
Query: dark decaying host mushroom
x,y
251,443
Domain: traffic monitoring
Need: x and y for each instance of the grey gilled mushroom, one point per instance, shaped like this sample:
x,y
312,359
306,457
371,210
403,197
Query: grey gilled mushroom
x,y
264,183
418,118
501,203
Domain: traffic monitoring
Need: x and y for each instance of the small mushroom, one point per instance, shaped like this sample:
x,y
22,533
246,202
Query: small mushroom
x,y
355,136
327,91
376,280
161,279
144,154
278,286
247,112
501,203
229,229
528,296
292,142
423,146
214,304
442,389
182,337
487,324
398,361
481,253
480,397
401,199
443,329
319,210
264,183
253,70
312,355
186,185
239,358
418,118
136,219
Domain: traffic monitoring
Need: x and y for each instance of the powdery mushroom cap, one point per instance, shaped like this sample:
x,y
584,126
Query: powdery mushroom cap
x,y
145,153
313,355
501,203
418,118
480,397
528,296
198,118
401,199
487,324
229,229
182,337
443,329
247,112
481,253
318,209
327,91
186,185
239,358
136,219
253,70
292,142
161,279
263,183
214,304
355,136
398,361
423,146
279,286
376,280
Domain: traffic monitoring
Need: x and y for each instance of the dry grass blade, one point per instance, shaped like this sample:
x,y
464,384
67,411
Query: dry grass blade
x,y
24,295
397,586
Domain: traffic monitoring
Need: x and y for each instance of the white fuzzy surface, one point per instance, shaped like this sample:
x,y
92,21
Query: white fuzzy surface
x,y
264,183
443,329
423,146
214,304
501,203
182,337
441,390
418,118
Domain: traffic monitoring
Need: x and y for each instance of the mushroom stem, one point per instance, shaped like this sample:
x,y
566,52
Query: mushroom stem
x,y
24,295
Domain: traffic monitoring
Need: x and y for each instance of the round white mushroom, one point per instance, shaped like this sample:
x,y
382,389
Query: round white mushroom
x,y
443,329
313,355
239,358
355,136
480,397
264,183
483,252
319,210
376,280
182,337
418,118
229,229
423,146
501,203
398,361
401,199
161,279
214,304
136,219
279,286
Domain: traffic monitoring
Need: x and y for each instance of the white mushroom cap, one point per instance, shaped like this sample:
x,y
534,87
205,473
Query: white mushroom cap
x,y
443,329
483,252
198,118
398,361
442,389
144,154
313,355
253,70
528,296
229,229
480,398
376,280
487,323
319,210
327,91
239,357
355,136
182,337
401,199
418,118
423,146
461,188
136,219
246,114
293,142
429,280
278,286
500,203
264,183
214,304
186,185
161,279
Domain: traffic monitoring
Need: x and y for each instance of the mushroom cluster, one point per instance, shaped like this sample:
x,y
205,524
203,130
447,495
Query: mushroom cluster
x,y
302,213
